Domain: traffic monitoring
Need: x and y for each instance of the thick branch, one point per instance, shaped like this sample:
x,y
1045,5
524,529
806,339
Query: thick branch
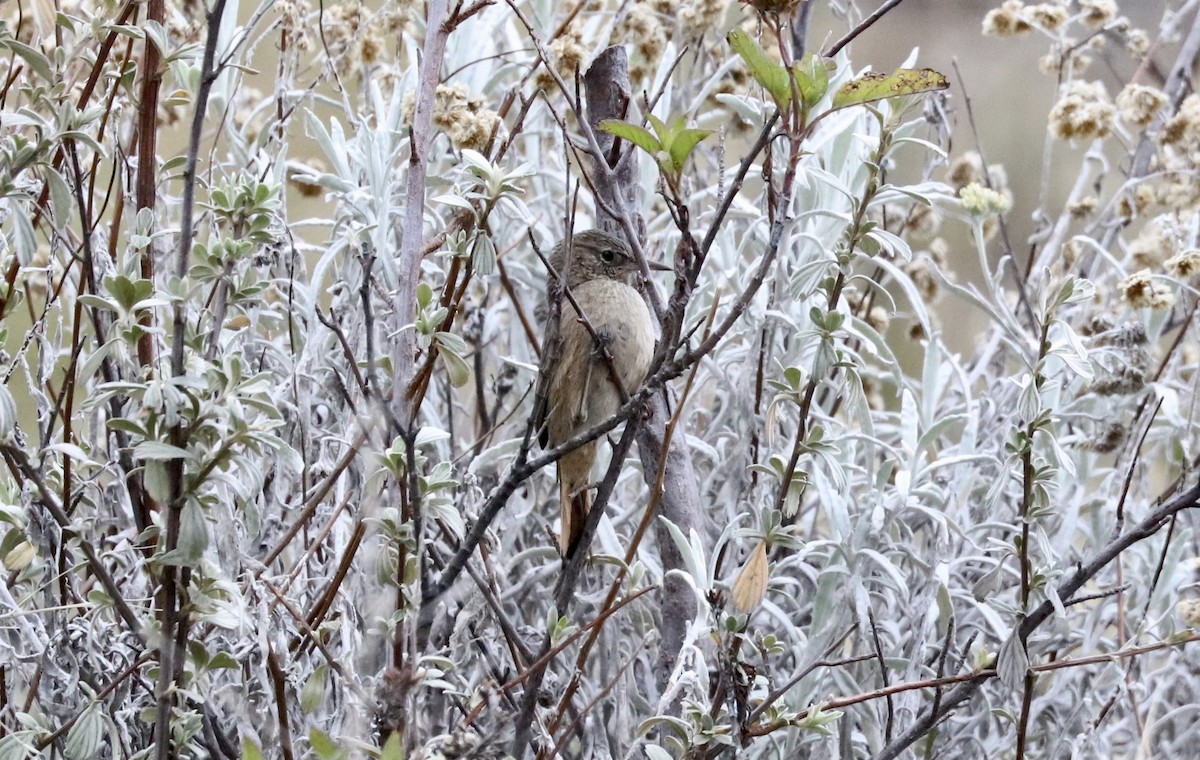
x,y
607,90
404,305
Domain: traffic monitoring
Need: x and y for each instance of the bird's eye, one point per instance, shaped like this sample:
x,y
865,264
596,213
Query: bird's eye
x,y
609,256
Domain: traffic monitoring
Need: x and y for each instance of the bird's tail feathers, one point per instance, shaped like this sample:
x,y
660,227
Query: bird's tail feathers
x,y
574,510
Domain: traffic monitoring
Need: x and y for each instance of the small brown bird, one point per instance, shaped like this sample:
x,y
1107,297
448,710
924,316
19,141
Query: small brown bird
x,y
576,390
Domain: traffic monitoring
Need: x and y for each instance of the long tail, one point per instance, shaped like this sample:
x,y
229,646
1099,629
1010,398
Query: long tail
x,y
574,511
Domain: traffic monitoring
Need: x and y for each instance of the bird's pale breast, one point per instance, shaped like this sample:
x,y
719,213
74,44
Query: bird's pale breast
x,y
618,315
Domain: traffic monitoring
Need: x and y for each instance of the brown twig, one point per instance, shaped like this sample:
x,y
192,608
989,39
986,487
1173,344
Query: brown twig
x,y
173,624
866,24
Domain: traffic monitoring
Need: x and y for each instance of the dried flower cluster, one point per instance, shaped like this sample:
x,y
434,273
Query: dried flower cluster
x,y
924,269
1084,111
1138,104
1158,240
697,18
1184,127
1097,13
1112,434
968,169
293,23
643,26
1142,290
465,118
1096,19
1082,207
1120,357
1185,266
1009,20
1135,202
568,55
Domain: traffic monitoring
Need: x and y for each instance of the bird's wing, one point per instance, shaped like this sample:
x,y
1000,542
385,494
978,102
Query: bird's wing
x,y
551,353
571,381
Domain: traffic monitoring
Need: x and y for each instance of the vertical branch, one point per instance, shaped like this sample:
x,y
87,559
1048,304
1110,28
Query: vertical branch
x,y
405,396
404,304
1028,478
173,632
607,86
146,184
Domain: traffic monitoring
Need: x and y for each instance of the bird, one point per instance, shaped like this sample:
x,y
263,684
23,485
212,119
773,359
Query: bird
x,y
610,333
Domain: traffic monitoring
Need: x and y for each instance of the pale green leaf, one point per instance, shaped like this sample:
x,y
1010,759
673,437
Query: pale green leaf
x,y
87,735
34,58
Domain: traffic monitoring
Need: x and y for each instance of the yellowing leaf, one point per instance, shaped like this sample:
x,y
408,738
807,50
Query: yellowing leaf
x,y
879,86
19,557
751,583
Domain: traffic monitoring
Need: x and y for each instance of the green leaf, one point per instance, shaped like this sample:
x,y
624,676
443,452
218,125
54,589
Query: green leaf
x,y
666,134
324,747
670,145
874,86
126,30
312,694
818,720
683,144
24,239
250,750
159,450
193,534
157,480
97,302
128,292
158,36
70,450
1012,662
424,295
8,413
223,661
456,368
765,70
61,200
639,136
451,342
812,78
393,748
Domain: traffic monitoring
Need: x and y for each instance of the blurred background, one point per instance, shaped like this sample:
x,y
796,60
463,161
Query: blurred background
x,y
1011,99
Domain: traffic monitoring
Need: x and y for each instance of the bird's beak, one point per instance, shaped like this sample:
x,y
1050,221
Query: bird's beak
x,y
658,266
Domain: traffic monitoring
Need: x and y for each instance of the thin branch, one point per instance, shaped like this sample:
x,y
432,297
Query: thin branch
x,y
866,24
1067,589
170,663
